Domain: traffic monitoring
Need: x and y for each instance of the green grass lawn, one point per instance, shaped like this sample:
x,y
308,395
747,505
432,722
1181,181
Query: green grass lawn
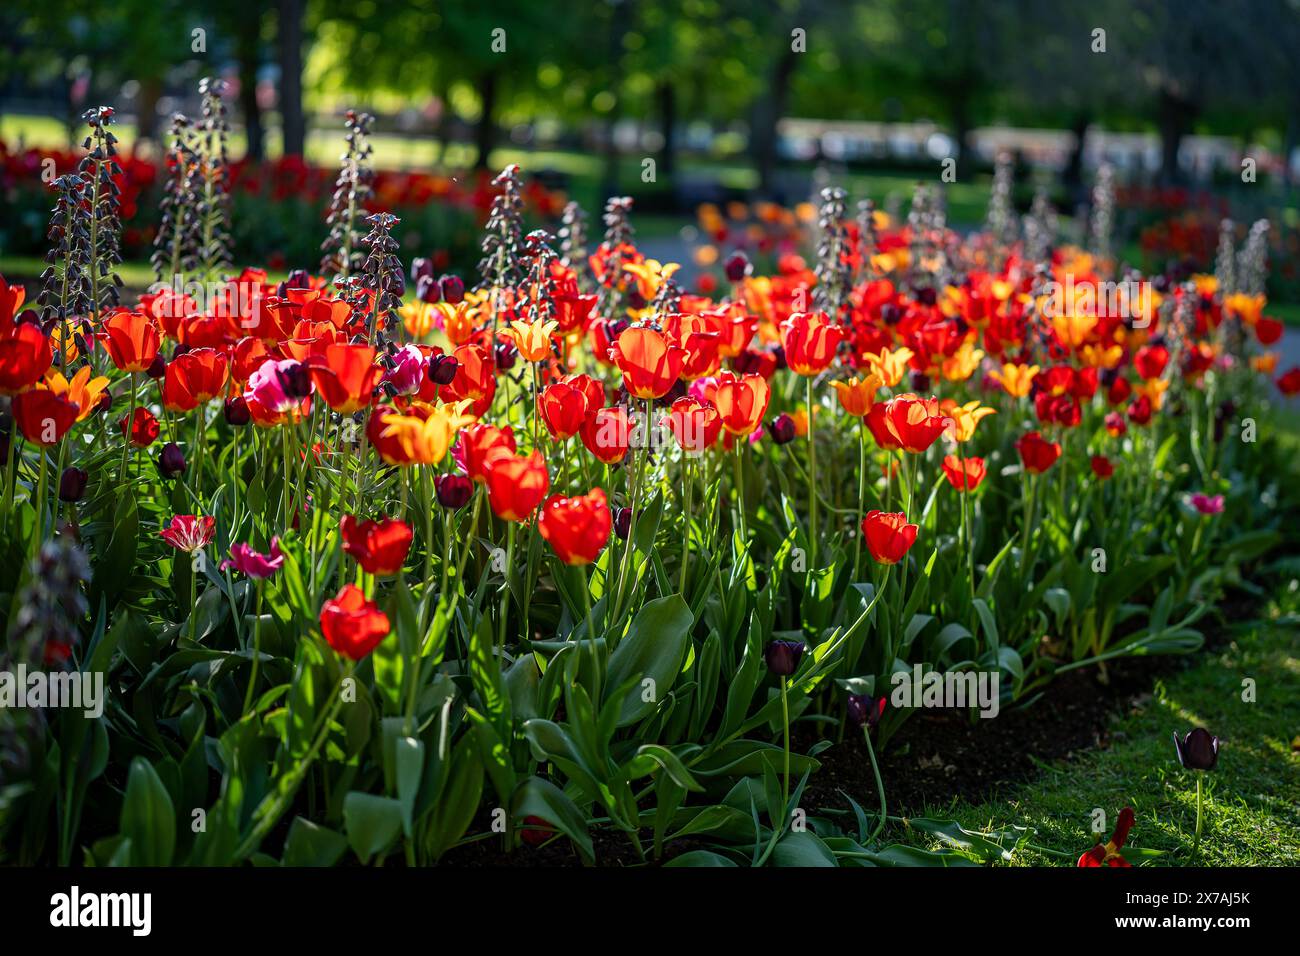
x,y
1253,797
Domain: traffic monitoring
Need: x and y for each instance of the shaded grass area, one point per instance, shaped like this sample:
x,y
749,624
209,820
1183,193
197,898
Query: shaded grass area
x,y
1252,815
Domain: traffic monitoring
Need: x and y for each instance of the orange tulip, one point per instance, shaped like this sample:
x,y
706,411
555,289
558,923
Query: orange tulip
x,y
1015,379
194,378
650,366
890,366
964,474
857,395
741,402
82,390
533,339
131,340
912,423
346,376
810,342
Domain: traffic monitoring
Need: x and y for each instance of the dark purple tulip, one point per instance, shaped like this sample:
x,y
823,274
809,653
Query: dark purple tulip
x,y
295,380
297,279
236,411
636,300
453,491
104,402
920,381
623,522
865,710
453,289
1198,750
442,369
422,269
781,363
72,484
428,290
172,460
158,367
737,266
890,313
505,354
783,656
782,429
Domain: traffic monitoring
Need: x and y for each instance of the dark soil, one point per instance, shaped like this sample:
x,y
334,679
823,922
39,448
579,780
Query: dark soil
x,y
939,756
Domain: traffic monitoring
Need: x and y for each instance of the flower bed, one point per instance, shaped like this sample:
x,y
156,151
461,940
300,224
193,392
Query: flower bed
x,y
384,563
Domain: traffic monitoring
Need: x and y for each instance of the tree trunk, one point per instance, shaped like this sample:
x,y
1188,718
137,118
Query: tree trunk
x,y
147,109
1176,117
1072,175
485,131
252,110
293,124
767,114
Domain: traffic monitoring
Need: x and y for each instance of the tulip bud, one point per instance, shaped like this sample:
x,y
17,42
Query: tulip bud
x,y
737,266
236,411
297,279
635,300
172,460
865,710
1197,750
72,484
920,381
926,296
890,313
453,491
622,522
442,369
782,429
783,656
427,290
505,354
781,363
453,289
158,367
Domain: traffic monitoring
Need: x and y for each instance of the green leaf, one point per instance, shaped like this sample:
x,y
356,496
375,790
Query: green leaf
x,y
541,798
802,848
372,822
654,648
148,818
309,844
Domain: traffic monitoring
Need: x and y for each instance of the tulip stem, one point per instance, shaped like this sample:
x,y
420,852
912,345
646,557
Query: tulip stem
x,y
738,466
38,530
1196,841
812,481
785,723
862,496
591,641
194,598
880,784
126,432
505,587
257,649
965,525
686,522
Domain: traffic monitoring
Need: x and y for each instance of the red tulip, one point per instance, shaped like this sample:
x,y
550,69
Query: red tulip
x,y
1108,854
196,377
1037,453
1101,466
576,528
352,625
907,422
516,483
888,535
964,475
563,408
380,547
477,442
143,425
42,416
696,426
25,356
607,433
